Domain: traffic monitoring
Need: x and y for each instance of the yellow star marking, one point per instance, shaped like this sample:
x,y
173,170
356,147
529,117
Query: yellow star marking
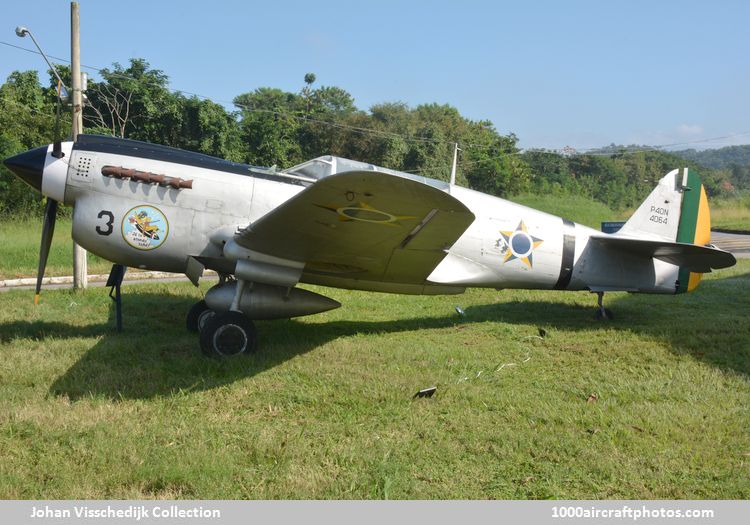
x,y
363,212
526,257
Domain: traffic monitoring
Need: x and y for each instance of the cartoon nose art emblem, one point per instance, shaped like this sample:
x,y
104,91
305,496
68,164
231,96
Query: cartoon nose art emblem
x,y
145,227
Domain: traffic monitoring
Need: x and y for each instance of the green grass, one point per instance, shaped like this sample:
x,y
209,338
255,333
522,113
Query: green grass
x,y
573,207
20,241
651,405
730,214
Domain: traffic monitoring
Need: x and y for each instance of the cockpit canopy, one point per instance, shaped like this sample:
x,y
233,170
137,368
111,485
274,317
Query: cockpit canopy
x,y
327,165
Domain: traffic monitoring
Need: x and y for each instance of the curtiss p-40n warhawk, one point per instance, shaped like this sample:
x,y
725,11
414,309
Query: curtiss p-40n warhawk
x,y
347,224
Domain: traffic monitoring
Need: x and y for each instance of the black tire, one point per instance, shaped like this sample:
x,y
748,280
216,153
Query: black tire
x,y
228,334
197,316
606,316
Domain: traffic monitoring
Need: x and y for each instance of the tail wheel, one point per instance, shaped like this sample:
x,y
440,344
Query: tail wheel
x,y
602,314
228,334
197,316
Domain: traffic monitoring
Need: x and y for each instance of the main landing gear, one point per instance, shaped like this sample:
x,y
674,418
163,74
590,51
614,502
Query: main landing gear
x,y
197,316
603,314
223,334
227,334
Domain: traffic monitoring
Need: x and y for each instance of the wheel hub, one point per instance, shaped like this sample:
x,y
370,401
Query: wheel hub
x,y
230,339
203,317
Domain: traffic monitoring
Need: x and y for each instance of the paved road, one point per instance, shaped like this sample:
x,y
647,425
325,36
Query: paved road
x,y
738,244
128,282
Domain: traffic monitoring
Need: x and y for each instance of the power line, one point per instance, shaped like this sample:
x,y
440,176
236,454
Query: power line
x,y
246,107
662,147
600,151
355,129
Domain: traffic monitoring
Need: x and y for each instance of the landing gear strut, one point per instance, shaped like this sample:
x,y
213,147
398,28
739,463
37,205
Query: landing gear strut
x,y
603,314
114,281
226,334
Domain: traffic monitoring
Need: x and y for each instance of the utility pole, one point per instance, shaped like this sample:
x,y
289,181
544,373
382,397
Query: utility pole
x,y
456,149
80,263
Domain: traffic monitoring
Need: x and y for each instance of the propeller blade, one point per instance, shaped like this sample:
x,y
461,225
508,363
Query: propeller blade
x,y
48,229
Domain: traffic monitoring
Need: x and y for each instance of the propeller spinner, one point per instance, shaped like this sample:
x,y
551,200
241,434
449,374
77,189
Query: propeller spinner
x,y
45,169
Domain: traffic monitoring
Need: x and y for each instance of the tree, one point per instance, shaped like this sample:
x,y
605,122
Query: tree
x,y
551,171
134,102
326,110
27,116
307,91
268,127
208,128
275,127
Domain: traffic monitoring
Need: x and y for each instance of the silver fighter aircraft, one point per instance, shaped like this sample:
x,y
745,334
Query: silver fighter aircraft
x,y
346,224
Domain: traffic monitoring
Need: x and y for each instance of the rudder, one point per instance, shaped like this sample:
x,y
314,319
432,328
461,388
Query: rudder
x,y
694,226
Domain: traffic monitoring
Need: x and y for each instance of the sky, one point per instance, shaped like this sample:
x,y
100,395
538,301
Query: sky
x,y
581,74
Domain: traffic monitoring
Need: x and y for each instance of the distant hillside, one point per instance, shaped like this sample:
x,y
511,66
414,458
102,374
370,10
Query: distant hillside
x,y
718,158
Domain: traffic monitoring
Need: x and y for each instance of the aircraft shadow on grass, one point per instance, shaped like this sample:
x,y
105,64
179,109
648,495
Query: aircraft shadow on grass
x,y
141,362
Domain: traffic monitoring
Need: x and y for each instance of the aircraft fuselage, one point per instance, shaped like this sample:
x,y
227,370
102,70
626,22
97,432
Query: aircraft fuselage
x,y
507,246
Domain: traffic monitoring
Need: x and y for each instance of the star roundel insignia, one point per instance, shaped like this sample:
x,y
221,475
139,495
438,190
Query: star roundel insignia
x,y
365,213
520,244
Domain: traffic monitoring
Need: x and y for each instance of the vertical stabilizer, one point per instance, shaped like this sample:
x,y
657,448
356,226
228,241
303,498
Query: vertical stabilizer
x,y
658,217
676,211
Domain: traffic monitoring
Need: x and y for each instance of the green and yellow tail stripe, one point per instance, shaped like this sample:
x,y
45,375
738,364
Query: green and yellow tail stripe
x,y
694,227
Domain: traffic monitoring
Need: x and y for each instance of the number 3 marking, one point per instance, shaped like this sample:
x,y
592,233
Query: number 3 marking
x,y
108,225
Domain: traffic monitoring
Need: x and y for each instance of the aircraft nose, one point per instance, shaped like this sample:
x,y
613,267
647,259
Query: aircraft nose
x,y
29,166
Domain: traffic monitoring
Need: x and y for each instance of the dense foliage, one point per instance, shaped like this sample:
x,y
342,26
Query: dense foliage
x,y
732,161
273,127
718,158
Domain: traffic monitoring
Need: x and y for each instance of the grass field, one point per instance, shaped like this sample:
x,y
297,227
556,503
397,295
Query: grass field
x,y
19,250
573,207
731,214
652,405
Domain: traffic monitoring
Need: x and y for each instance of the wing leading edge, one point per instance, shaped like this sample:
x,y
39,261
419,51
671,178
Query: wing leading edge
x,y
362,225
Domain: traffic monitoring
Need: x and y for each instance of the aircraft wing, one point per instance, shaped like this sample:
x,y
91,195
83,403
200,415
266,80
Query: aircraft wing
x,y
364,225
700,259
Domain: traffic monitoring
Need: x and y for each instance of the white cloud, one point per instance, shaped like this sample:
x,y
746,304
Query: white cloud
x,y
689,130
682,136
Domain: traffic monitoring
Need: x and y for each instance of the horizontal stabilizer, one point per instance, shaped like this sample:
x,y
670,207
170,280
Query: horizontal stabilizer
x,y
701,259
